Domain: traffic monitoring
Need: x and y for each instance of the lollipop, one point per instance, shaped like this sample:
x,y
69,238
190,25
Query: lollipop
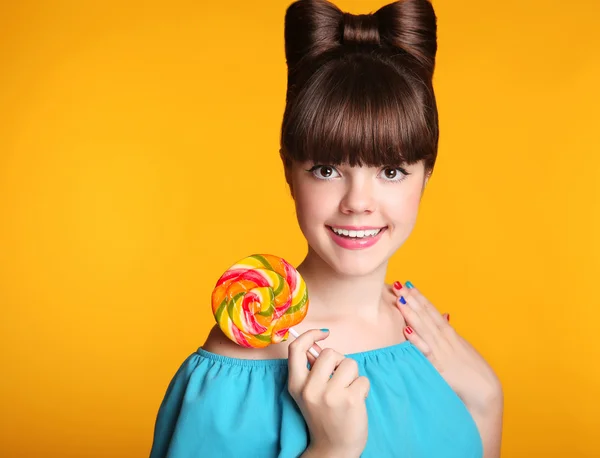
x,y
258,299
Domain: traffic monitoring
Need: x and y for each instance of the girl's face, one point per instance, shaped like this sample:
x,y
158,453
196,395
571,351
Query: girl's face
x,y
355,218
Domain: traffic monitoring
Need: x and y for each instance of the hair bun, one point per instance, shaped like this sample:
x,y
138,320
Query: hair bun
x,y
361,29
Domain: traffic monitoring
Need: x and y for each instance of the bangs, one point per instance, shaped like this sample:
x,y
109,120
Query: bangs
x,y
361,111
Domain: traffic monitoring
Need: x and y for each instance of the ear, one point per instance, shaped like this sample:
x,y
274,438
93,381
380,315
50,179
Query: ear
x,y
287,169
427,176
288,178
425,181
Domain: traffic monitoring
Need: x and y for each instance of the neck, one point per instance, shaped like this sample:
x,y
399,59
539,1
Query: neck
x,y
335,296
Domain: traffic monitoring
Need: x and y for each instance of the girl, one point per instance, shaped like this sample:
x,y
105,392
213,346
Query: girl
x,y
358,143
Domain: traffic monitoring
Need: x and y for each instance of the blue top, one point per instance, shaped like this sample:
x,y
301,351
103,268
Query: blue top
x,y
228,407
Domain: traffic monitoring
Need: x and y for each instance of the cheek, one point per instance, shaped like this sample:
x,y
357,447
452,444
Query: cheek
x,y
402,208
313,204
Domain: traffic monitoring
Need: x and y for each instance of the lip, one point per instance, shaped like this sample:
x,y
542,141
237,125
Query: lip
x,y
359,228
355,244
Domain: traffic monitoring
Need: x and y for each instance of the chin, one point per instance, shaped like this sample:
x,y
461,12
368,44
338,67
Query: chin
x,y
353,263
353,269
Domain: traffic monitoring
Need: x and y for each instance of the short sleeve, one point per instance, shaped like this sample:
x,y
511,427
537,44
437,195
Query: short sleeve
x,y
218,406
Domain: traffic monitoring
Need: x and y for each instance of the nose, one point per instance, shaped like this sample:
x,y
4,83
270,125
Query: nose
x,y
359,197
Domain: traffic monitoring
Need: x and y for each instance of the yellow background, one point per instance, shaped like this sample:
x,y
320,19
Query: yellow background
x,y
139,159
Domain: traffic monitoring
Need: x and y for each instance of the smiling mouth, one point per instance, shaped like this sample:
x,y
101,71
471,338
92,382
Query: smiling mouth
x,y
356,234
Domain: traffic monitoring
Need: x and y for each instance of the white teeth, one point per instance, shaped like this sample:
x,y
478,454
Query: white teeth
x,y
356,234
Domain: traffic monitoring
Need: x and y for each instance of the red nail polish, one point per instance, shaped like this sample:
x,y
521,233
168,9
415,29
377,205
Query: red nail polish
x,y
397,285
447,317
409,330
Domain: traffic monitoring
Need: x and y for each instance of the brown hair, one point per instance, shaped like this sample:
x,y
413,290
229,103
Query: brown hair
x,y
360,86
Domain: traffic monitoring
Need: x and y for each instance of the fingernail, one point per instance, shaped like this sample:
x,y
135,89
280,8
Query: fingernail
x,y
398,285
402,300
324,329
409,330
308,366
409,285
447,317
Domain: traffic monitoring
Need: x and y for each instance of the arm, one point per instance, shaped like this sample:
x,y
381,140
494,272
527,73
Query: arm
x,y
209,399
312,453
489,424
463,368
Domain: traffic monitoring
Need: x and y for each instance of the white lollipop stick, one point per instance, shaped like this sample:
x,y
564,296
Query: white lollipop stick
x,y
311,350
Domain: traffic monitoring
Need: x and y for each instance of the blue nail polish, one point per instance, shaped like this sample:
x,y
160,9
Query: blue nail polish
x,y
409,285
324,329
308,366
402,300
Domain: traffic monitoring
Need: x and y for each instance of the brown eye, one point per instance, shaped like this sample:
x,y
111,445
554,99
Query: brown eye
x,y
390,173
326,171
394,174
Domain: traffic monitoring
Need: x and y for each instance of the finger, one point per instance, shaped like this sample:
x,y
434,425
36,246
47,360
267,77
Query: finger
x,y
389,295
428,307
417,301
324,366
446,316
419,320
397,288
417,341
345,374
311,357
360,387
298,356
313,352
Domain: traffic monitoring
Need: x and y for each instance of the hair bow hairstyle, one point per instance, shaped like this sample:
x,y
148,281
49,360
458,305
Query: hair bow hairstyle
x,y
360,86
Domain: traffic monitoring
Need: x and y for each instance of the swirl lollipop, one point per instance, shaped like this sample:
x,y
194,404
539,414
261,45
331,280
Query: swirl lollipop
x,y
258,299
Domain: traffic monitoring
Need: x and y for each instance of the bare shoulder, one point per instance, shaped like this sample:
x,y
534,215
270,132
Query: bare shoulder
x,y
220,344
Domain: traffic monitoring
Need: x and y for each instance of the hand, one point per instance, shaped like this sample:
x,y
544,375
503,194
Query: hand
x,y
463,368
393,292
331,397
